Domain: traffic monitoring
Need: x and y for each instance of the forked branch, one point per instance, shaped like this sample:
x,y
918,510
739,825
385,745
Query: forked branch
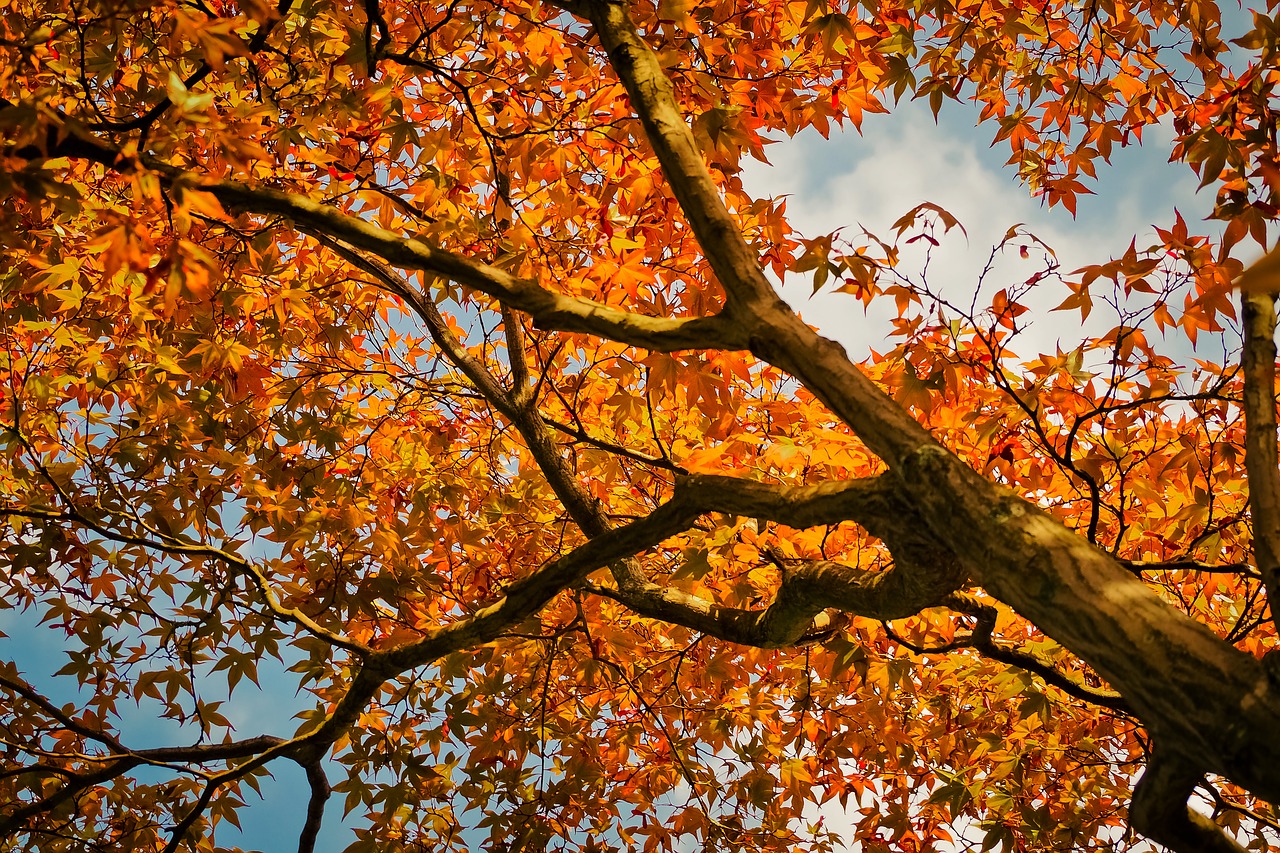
x,y
1159,809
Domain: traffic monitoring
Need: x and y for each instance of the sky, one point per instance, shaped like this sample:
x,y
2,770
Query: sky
x,y
853,181
848,181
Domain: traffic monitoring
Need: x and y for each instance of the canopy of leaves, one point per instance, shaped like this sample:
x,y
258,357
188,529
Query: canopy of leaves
x,y
429,351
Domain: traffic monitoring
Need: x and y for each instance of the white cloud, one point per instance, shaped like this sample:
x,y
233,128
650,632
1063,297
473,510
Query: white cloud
x,y
904,158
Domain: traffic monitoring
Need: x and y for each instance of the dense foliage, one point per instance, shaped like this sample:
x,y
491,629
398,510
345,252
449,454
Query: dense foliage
x,y
431,351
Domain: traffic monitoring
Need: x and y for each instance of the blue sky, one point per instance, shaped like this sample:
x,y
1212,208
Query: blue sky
x,y
904,158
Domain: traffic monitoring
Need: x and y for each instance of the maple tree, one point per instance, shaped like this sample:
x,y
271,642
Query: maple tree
x,y
434,353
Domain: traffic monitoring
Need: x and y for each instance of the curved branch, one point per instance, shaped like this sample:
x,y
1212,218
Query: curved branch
x,y
548,309
923,575
176,546
1159,809
981,640
26,691
798,610
694,496
320,792
774,332
122,760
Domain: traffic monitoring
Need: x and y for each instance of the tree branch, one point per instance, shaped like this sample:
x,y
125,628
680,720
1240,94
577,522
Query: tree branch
x,y
548,309
1261,460
981,640
122,760
694,496
797,611
1159,809
774,331
320,792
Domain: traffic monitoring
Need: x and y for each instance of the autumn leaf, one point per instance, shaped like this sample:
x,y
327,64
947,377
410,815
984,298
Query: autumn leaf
x,y
398,400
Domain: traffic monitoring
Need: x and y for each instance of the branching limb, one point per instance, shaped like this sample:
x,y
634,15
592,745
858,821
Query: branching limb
x,y
165,543
548,309
694,496
122,760
800,607
177,546
1137,567
29,693
773,330
922,577
1159,809
981,640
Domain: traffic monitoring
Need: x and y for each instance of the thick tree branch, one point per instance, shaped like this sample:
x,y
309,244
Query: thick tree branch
x,y
1179,677
513,331
521,600
694,496
776,334
1159,809
653,98
809,588
1261,459
549,310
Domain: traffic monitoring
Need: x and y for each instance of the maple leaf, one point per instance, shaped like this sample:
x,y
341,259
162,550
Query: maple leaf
x,y
424,357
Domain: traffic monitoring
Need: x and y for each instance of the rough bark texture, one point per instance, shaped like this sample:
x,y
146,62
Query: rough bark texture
x,y
1259,365
1159,810
1206,703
